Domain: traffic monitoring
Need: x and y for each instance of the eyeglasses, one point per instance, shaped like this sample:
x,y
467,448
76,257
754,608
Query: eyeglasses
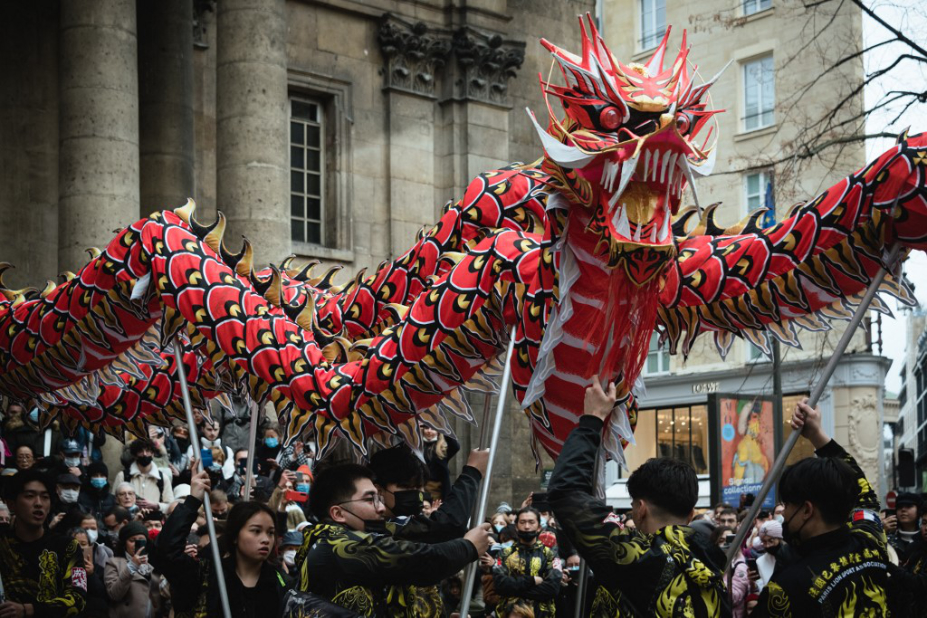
x,y
374,500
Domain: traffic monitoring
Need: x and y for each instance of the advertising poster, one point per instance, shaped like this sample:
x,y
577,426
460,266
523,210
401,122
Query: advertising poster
x,y
747,447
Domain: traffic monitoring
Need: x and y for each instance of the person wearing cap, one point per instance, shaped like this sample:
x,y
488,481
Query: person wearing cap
x,y
71,456
131,583
289,545
95,495
64,504
908,508
42,574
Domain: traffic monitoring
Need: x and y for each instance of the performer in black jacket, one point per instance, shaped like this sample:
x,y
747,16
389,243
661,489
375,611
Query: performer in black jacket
x,y
659,569
832,522
350,560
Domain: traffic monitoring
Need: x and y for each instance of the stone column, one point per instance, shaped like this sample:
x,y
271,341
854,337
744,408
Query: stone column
x,y
252,110
415,55
98,128
165,97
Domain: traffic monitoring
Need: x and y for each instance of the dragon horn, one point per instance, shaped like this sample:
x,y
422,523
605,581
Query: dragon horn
x,y
186,211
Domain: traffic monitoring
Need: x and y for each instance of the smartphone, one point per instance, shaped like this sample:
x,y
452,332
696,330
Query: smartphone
x,y
141,547
751,564
193,539
573,569
891,512
730,538
206,456
295,496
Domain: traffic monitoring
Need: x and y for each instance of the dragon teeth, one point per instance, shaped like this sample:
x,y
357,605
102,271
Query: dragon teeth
x,y
664,232
622,226
666,162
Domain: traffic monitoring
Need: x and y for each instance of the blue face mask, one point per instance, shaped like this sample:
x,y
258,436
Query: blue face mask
x,y
271,442
98,482
498,527
543,522
34,415
302,488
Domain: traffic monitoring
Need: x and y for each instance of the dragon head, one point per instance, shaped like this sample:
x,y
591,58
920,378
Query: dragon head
x,y
628,147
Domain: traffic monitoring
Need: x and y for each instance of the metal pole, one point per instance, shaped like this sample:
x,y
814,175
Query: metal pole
x,y
467,590
583,567
195,440
816,393
252,438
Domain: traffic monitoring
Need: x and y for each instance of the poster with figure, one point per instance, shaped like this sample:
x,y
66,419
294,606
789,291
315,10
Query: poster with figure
x,y
747,447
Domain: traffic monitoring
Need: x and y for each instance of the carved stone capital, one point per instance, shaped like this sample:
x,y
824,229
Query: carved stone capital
x,y
415,54
487,62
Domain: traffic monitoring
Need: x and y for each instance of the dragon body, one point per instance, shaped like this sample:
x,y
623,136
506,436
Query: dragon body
x,y
580,257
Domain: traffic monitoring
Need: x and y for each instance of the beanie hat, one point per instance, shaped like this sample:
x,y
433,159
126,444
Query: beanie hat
x,y
772,529
133,528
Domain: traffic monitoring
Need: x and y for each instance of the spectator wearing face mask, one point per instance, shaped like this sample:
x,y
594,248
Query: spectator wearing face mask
x,y
261,486
71,456
64,507
267,450
528,571
153,522
152,485
113,521
289,544
770,540
97,605
131,583
101,553
95,495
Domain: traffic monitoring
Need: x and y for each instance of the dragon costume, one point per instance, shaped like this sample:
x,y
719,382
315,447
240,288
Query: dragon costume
x,y
579,257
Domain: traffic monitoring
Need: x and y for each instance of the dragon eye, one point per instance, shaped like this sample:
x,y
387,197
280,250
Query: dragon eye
x,y
682,124
609,118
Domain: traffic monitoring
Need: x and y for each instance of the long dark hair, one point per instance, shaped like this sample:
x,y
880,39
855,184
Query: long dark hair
x,y
237,519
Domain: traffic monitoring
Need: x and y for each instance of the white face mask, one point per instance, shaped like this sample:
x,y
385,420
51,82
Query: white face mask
x,y
72,462
780,519
92,536
68,496
289,557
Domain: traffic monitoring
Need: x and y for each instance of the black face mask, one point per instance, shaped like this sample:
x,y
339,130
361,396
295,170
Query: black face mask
x,y
408,502
792,538
774,549
372,526
182,444
143,461
527,537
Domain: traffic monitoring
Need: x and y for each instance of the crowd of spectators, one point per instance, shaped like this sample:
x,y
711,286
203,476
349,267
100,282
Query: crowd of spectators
x,y
393,537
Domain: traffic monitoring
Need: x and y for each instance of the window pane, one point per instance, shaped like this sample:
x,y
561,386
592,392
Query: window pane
x,y
305,110
314,160
652,363
313,184
296,132
665,433
314,208
297,157
297,185
297,230
313,137
297,208
699,451
315,232
664,355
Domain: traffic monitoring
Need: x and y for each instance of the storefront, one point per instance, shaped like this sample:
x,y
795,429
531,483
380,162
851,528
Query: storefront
x,y
704,417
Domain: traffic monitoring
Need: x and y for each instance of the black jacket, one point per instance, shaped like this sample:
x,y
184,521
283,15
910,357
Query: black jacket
x,y
369,573
841,573
194,591
96,501
513,579
667,573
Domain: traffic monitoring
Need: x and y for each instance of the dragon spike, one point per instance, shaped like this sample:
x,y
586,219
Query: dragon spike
x,y
750,224
64,276
655,64
4,266
306,317
214,238
902,136
682,220
94,252
18,296
325,281
245,263
48,289
186,211
356,282
451,258
274,292
337,350
199,229
306,272
285,265
706,224
260,284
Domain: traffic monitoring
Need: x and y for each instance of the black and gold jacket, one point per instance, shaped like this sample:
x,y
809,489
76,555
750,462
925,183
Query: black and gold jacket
x,y
447,523
666,574
48,573
841,573
366,572
908,584
513,579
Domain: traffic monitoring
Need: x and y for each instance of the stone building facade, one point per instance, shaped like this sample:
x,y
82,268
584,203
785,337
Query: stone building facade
x,y
784,73
332,129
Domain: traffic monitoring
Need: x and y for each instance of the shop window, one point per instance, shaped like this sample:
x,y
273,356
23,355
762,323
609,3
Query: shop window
x,y
679,433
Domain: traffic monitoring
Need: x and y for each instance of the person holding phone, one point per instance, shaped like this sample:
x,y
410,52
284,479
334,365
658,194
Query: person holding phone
x,y
97,605
131,583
